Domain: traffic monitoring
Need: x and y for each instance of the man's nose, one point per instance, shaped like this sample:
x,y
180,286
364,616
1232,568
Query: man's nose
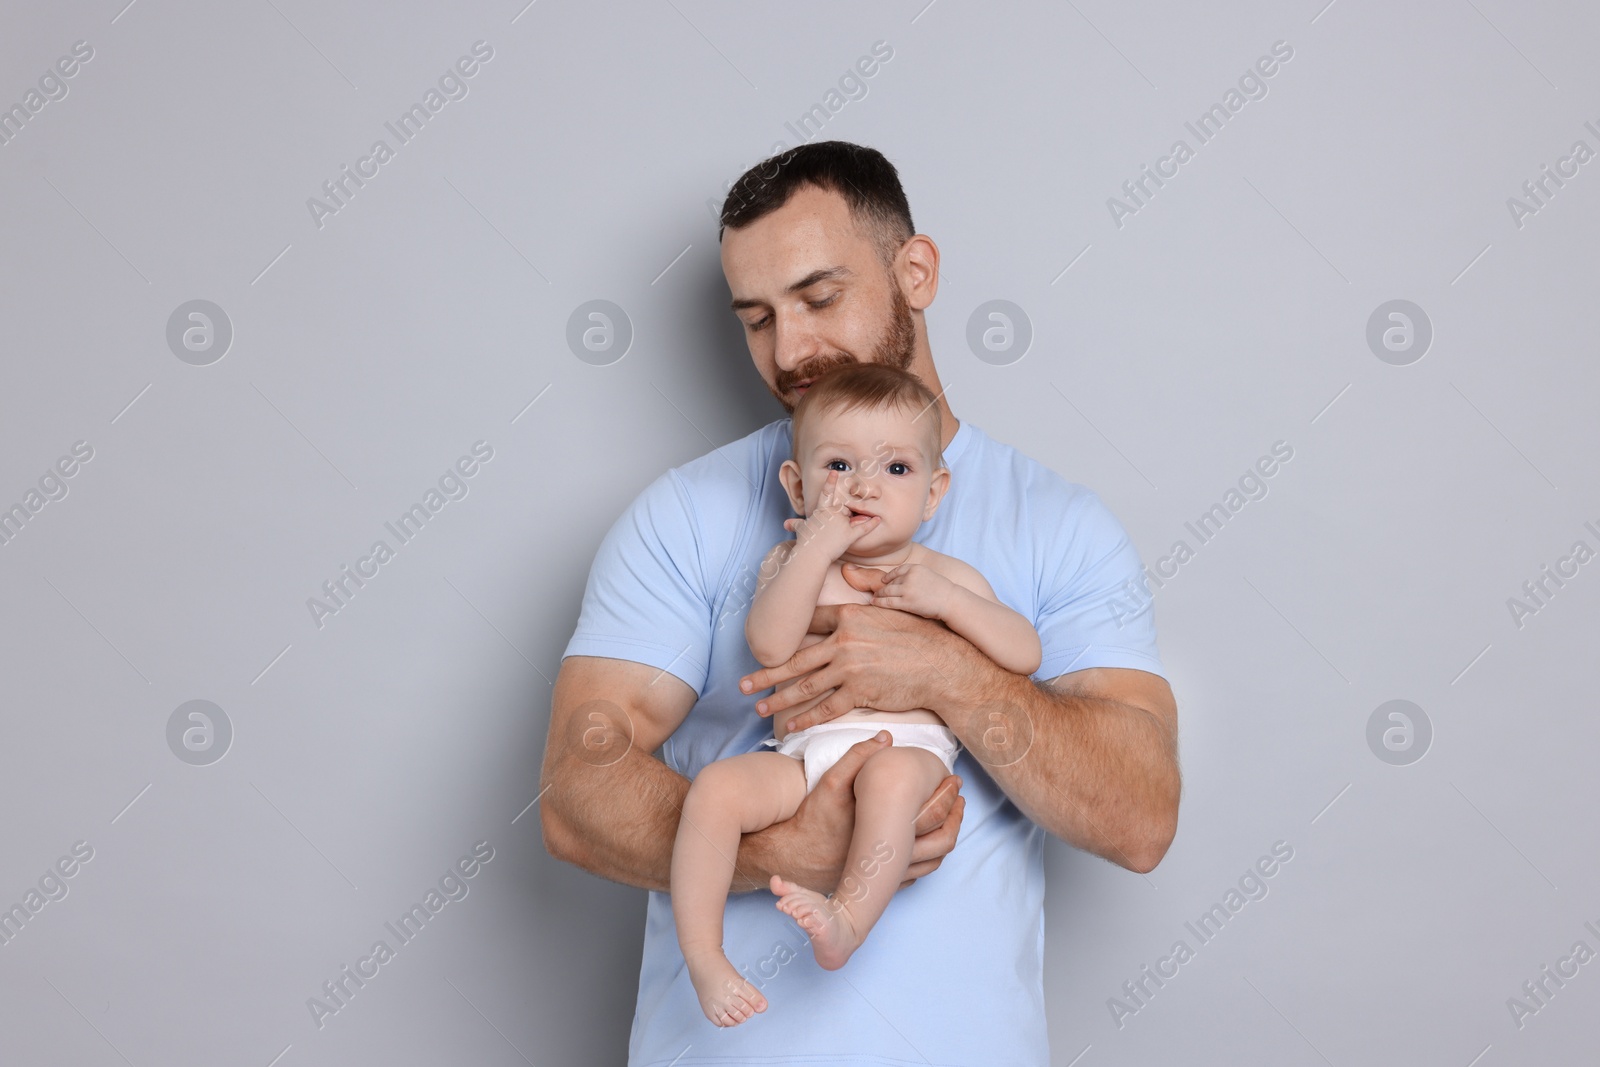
x,y
793,343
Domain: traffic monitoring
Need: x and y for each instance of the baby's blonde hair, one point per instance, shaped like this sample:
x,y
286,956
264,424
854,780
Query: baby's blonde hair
x,y
872,386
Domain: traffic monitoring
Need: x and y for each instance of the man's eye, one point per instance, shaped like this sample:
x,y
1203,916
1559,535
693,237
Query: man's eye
x,y
818,304
899,468
758,324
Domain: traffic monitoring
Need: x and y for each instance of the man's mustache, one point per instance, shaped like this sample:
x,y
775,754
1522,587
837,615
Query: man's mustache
x,y
787,380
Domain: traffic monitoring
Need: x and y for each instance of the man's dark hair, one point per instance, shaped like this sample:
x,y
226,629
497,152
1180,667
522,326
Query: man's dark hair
x,y
867,181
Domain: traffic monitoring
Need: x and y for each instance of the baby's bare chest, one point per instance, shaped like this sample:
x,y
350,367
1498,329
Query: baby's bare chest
x,y
835,590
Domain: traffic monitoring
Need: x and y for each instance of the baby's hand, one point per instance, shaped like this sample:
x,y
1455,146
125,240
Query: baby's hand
x,y
829,528
916,588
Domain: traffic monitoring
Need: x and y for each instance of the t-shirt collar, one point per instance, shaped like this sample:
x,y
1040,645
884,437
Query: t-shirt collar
x,y
958,443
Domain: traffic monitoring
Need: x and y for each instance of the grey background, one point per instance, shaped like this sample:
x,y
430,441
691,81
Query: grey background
x,y
369,354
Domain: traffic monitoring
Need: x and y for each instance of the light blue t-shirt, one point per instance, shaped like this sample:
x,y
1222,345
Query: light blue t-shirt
x,y
953,972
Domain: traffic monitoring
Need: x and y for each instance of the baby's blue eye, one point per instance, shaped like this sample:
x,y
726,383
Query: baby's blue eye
x,y
899,468
838,465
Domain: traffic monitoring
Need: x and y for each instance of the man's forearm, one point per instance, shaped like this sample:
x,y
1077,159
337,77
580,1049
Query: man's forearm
x,y
617,820
1099,774
620,821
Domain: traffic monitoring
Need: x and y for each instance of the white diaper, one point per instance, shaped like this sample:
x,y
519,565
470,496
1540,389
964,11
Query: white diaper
x,y
820,746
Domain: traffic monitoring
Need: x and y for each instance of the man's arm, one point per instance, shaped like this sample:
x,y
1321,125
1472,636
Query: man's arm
x,y
1100,768
612,808
1090,756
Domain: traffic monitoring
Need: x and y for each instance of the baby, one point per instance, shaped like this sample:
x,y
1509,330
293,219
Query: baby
x,y
866,473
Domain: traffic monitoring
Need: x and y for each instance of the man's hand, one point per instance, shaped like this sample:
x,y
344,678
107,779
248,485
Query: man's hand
x,y
911,587
830,529
815,842
873,657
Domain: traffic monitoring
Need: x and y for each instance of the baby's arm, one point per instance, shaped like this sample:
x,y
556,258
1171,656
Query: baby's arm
x,y
792,574
957,595
786,598
994,629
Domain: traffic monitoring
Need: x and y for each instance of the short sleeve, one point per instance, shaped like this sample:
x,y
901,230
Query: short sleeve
x,y
646,598
1095,605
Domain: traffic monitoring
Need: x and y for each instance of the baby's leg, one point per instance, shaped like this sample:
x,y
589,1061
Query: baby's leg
x,y
730,797
891,789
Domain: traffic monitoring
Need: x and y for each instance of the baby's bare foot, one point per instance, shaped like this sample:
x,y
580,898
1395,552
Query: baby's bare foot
x,y
826,923
725,995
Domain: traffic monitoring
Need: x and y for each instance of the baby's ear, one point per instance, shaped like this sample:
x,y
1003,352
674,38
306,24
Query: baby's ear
x,y
936,491
789,475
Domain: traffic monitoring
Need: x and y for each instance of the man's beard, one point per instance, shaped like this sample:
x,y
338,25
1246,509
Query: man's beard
x,y
896,348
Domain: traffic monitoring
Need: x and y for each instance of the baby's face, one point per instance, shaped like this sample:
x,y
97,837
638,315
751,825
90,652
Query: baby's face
x,y
886,468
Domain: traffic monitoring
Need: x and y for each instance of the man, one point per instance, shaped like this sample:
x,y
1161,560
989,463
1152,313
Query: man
x,y
825,268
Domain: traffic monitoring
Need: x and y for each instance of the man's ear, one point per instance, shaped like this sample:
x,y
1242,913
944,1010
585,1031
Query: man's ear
x,y
789,475
917,271
936,491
